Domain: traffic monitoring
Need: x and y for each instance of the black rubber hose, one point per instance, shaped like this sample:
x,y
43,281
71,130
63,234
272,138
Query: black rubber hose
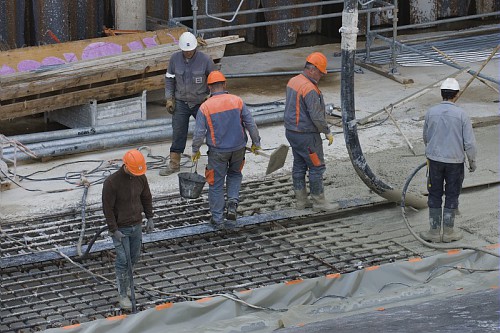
x,y
431,245
91,243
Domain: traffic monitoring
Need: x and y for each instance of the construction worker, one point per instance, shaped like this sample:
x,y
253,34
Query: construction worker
x,y
222,121
185,89
448,139
125,195
305,119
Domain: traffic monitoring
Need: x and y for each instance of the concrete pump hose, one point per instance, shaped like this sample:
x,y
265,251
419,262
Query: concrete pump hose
x,y
431,245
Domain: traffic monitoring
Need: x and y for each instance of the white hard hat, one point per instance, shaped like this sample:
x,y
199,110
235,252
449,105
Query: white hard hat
x,y
187,41
450,84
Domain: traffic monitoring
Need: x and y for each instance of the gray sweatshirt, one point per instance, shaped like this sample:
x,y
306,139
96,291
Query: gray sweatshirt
x,y
448,134
186,79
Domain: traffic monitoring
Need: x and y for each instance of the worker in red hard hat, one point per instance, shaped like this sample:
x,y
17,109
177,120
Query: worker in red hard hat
x,y
449,140
185,89
305,120
125,196
222,122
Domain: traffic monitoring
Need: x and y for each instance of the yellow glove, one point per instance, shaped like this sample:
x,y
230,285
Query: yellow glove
x,y
170,105
255,148
329,136
196,156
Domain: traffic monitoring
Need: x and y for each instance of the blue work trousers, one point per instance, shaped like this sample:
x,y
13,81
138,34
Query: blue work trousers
x,y
226,169
133,235
180,125
447,179
303,144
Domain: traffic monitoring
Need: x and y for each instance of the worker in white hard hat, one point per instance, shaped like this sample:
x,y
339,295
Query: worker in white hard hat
x,y
449,140
185,89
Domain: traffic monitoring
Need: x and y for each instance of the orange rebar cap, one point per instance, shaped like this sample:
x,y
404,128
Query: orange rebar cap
x,y
318,59
215,76
135,162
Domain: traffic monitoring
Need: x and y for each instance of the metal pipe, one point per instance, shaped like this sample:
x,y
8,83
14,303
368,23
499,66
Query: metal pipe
x,y
444,61
120,138
239,75
194,7
88,131
427,24
262,10
394,66
297,19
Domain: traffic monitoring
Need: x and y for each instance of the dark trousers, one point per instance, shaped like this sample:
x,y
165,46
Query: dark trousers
x,y
447,179
180,125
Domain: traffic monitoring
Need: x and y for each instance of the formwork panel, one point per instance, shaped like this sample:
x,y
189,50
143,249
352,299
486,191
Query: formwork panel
x,y
100,114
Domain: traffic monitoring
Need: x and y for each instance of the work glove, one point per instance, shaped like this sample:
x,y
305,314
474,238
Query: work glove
x,y
196,156
329,136
150,225
170,105
472,165
118,235
255,148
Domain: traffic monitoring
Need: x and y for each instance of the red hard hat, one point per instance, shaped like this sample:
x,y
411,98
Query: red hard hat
x,y
318,59
135,162
215,76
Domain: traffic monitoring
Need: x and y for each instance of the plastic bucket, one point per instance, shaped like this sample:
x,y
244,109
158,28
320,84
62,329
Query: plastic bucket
x,y
191,184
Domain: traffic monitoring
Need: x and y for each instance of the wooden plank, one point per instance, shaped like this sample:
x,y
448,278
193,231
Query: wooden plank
x,y
116,60
77,49
102,70
111,91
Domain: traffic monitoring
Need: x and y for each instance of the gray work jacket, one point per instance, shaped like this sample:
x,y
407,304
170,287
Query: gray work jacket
x,y
186,79
448,134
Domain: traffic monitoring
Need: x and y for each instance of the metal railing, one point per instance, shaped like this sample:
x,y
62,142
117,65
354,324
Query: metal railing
x,y
368,7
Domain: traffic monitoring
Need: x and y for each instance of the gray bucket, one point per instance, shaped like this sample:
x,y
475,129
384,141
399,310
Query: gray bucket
x,y
190,184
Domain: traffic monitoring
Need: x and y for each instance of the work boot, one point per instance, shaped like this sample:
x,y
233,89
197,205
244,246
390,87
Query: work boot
x,y
302,201
124,302
216,224
449,234
232,207
174,165
434,233
319,203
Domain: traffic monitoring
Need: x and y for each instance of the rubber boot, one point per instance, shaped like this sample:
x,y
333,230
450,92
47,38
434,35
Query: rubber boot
x,y
174,165
302,201
321,205
449,234
434,233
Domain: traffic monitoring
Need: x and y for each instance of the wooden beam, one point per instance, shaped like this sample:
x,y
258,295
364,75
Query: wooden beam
x,y
45,104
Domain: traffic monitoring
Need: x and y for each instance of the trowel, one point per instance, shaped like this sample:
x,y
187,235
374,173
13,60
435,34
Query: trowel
x,y
276,159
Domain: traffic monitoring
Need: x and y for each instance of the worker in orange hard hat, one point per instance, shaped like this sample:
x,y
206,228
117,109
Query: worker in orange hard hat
x,y
125,196
449,140
305,120
222,122
185,89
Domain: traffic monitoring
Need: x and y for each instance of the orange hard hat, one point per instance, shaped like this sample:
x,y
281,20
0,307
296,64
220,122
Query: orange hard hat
x,y
135,162
215,76
318,59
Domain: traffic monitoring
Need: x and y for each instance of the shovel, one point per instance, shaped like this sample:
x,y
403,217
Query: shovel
x,y
276,159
